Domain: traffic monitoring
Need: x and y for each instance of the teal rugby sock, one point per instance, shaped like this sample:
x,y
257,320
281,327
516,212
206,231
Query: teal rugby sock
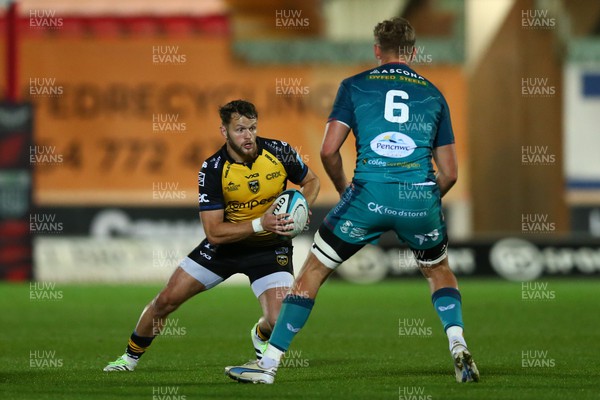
x,y
294,313
448,305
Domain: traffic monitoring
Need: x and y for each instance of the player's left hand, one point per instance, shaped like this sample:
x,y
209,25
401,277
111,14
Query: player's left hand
x,y
280,224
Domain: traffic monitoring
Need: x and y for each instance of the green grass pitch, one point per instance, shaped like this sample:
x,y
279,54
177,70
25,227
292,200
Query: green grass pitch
x,y
381,341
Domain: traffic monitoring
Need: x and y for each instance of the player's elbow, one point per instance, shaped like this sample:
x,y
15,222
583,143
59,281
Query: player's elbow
x,y
449,173
446,178
311,190
328,153
213,239
452,177
313,183
449,180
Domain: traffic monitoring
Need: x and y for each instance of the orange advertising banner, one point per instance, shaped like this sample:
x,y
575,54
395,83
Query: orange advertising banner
x,y
129,121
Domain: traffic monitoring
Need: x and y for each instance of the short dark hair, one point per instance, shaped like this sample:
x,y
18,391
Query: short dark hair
x,y
396,34
241,107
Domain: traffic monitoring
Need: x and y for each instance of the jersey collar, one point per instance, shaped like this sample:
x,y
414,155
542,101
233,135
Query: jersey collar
x,y
397,64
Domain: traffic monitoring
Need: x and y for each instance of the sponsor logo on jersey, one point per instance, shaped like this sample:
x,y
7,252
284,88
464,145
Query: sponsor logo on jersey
x,y
273,175
385,210
393,144
282,250
236,205
203,198
400,71
231,187
358,233
254,185
378,162
345,228
268,157
396,78
201,178
254,175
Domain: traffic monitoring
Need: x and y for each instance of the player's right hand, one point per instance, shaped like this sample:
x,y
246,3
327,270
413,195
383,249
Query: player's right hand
x,y
280,224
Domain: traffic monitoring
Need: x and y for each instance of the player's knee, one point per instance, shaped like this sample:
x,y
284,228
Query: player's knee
x,y
313,269
165,303
439,270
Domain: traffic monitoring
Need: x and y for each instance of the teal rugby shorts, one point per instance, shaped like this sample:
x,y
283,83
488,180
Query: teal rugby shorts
x,y
368,209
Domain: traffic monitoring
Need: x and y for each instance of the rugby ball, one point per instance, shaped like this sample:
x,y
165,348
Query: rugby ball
x,y
292,202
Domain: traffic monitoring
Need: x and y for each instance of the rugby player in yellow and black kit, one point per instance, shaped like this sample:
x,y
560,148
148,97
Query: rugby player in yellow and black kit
x,y
237,186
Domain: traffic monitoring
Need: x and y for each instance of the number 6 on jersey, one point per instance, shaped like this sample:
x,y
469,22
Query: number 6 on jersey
x,y
391,106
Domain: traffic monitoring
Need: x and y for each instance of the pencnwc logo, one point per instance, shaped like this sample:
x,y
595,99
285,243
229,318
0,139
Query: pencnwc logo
x,y
254,185
393,144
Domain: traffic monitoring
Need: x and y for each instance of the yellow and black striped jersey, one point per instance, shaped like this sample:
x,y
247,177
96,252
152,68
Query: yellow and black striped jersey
x,y
246,190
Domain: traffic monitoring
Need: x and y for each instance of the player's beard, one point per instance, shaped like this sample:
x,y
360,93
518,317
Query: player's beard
x,y
247,154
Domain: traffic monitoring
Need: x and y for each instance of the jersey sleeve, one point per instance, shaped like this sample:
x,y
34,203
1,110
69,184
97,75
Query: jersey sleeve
x,y
210,190
292,162
294,166
343,109
444,135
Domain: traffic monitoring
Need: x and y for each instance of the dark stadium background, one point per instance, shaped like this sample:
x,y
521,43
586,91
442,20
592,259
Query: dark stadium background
x,y
108,109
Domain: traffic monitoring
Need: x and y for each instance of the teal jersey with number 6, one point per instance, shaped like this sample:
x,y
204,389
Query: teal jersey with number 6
x,y
398,118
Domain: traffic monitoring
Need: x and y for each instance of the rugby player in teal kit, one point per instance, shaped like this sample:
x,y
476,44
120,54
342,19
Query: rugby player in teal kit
x,y
401,122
